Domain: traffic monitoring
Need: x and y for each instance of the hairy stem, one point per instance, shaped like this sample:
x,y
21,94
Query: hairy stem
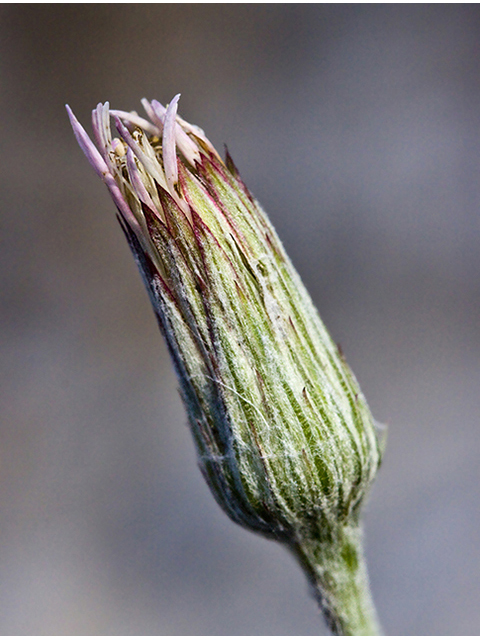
x,y
338,576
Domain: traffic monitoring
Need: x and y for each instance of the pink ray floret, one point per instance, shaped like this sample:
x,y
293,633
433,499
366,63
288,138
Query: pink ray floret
x,y
101,168
156,111
138,184
150,164
138,121
87,146
168,144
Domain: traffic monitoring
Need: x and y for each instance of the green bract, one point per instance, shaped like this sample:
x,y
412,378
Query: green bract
x,y
284,436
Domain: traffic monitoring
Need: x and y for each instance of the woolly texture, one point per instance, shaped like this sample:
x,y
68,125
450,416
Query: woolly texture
x,y
284,436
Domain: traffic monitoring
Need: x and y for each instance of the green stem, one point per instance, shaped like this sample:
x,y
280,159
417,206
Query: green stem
x,y
338,575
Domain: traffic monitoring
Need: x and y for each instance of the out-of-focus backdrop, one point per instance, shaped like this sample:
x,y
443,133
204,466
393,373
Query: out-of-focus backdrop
x,y
358,129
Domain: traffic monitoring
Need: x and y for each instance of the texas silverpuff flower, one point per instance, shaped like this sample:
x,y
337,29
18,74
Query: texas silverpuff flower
x,y
284,436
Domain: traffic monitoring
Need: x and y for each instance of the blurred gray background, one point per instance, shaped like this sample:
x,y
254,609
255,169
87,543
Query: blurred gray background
x,y
358,128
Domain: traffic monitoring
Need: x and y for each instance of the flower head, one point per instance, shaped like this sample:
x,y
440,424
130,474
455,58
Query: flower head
x,y
284,435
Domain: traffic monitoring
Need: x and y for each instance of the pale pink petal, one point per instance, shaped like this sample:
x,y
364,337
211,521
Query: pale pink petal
x,y
156,112
185,144
101,168
138,184
199,133
149,163
136,120
87,146
168,145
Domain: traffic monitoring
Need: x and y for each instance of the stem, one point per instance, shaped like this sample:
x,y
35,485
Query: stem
x,y
338,576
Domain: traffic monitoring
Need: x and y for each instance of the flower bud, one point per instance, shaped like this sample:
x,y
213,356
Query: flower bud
x,y
284,436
